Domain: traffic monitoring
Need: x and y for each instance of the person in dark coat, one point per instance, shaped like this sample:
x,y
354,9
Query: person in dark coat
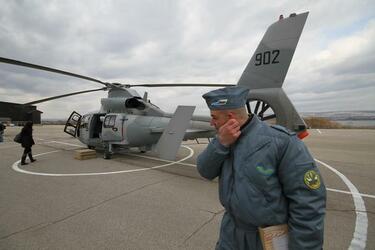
x,y
27,142
267,177
2,128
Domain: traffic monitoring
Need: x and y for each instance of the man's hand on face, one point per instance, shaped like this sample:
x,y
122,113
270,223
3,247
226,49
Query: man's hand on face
x,y
229,132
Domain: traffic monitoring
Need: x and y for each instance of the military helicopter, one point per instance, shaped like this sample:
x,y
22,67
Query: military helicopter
x,y
127,120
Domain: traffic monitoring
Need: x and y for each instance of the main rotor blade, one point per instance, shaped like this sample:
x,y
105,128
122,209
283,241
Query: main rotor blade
x,y
34,66
61,96
183,85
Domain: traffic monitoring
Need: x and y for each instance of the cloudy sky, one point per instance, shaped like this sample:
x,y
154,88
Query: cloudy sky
x,y
206,41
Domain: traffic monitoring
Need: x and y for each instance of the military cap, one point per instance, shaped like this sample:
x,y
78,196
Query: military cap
x,y
226,98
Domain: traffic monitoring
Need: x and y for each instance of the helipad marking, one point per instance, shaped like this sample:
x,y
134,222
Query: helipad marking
x,y
69,144
346,192
142,156
360,232
158,159
8,147
59,142
361,222
16,168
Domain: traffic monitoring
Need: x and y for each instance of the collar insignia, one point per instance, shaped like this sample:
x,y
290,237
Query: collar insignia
x,y
264,171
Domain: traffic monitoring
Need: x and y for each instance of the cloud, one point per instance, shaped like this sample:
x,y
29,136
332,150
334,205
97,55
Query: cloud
x,y
342,67
180,41
336,101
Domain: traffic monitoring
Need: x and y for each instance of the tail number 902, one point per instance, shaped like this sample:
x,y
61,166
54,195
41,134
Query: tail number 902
x,y
267,57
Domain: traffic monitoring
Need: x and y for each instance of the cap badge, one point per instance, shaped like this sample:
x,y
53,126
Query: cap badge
x,y
220,102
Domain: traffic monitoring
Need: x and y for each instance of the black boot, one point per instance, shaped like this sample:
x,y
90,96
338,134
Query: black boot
x,y
23,160
31,157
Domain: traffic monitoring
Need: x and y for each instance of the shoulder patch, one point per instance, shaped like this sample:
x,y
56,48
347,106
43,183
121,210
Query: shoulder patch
x,y
312,179
283,129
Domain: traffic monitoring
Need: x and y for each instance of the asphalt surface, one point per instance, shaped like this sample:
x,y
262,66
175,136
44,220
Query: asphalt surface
x,y
136,202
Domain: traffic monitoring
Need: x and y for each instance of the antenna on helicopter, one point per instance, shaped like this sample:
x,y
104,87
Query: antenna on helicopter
x,y
145,96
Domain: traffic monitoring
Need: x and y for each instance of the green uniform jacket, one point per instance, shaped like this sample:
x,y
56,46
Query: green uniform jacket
x,y
267,177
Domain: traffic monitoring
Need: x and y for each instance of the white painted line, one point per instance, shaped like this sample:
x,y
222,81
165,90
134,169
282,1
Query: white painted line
x,y
142,156
319,131
16,168
42,143
158,159
59,142
347,192
69,144
361,223
11,146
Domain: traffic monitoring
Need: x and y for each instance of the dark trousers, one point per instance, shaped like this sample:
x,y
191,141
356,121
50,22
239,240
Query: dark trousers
x,y
27,152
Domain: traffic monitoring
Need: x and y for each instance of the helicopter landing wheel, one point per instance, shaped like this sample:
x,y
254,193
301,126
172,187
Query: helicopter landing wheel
x,y
107,155
107,151
143,149
263,110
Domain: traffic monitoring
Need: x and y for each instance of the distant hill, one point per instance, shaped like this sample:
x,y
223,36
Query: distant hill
x,y
319,122
342,115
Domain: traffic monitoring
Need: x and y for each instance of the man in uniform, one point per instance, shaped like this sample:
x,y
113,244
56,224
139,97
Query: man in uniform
x,y
266,177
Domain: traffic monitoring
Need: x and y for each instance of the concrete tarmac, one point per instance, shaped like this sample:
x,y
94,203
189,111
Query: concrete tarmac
x,y
134,201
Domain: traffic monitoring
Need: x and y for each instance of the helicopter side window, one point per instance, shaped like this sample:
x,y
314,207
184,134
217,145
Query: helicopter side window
x,y
84,122
109,121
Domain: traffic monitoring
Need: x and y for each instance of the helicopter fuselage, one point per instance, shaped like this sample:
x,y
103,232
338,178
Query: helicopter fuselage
x,y
123,130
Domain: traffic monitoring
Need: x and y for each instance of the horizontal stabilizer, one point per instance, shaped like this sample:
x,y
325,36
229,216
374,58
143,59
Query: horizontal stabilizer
x,y
171,139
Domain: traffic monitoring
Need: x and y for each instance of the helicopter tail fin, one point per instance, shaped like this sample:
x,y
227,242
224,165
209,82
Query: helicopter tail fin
x,y
173,134
265,73
270,63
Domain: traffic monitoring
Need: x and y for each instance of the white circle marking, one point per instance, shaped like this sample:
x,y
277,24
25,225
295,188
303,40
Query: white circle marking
x,y
16,168
361,222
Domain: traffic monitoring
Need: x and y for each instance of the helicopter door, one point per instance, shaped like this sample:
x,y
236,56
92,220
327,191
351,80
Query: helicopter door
x,y
113,127
72,124
83,131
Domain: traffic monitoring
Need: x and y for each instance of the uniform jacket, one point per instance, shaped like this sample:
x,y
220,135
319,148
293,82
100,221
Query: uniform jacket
x,y
27,140
267,177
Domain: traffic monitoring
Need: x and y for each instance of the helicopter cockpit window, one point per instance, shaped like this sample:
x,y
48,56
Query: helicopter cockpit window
x,y
109,121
